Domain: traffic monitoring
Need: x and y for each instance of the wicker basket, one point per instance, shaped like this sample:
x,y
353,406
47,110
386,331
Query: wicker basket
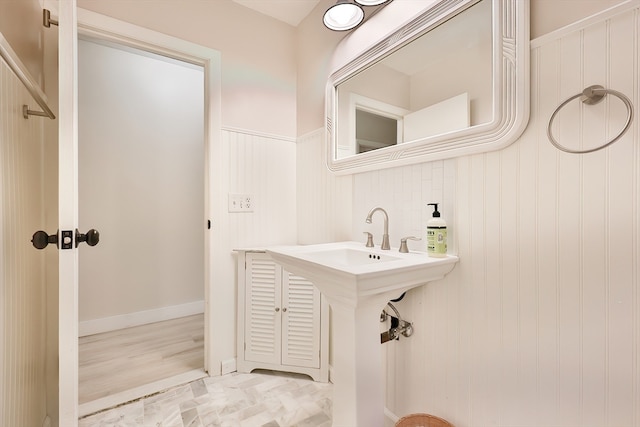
x,y
422,420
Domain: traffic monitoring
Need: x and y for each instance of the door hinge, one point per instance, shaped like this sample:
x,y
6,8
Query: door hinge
x,y
208,224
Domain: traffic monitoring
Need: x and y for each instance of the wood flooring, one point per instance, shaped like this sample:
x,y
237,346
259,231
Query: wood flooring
x,y
113,362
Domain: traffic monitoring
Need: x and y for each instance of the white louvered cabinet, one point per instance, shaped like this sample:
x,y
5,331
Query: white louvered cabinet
x,y
283,322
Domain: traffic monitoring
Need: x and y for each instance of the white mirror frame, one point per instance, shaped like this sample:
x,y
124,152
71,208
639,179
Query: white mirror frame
x,y
510,41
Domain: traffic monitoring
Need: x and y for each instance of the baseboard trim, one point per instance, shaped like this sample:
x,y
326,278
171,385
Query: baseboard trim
x,y
228,366
387,413
113,323
111,401
390,415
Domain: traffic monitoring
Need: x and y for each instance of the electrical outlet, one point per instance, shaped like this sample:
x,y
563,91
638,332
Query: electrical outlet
x,y
240,203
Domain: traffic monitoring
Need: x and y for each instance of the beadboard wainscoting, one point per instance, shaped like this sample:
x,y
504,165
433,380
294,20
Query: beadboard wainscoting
x,y
22,292
324,199
404,194
262,166
539,323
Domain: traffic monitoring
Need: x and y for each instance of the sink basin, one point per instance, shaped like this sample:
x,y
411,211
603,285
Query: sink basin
x,y
346,256
358,282
349,272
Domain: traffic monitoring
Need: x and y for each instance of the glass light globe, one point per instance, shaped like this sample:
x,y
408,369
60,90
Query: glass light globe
x,y
343,16
371,2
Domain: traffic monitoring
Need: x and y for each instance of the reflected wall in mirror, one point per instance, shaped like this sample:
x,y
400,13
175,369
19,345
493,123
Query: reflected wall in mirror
x,y
415,96
452,81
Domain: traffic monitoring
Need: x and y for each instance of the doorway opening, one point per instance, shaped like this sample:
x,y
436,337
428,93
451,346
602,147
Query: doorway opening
x,y
142,185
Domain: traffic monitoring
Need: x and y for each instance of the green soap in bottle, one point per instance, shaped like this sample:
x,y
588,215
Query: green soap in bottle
x,y
436,234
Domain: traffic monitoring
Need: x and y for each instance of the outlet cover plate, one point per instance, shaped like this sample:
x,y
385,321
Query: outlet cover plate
x,y
240,203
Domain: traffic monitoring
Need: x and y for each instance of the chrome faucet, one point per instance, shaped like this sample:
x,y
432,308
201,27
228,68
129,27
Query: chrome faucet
x,y
385,237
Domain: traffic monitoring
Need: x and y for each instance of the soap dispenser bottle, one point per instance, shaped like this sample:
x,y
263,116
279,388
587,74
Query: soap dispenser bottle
x,y
436,234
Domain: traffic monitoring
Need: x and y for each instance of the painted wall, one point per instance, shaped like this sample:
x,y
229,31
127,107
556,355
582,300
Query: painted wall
x,y
258,139
538,324
258,54
550,15
466,57
141,184
314,48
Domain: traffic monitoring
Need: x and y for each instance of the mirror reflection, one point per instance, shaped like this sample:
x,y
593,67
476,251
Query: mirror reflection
x,y
439,83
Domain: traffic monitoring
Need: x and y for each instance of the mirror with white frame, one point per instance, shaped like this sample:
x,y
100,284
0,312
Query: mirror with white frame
x,y
452,81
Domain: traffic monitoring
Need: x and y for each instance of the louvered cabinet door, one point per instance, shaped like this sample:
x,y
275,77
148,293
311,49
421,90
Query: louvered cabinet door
x,y
263,319
300,322
283,323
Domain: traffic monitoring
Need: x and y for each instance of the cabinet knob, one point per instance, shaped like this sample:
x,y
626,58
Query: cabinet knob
x,y
277,309
284,310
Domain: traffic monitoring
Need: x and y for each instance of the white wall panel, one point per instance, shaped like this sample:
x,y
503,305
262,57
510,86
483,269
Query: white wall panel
x,y
538,324
323,200
404,194
264,167
22,290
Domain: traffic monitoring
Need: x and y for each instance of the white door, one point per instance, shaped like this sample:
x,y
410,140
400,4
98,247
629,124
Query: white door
x,y
215,189
68,213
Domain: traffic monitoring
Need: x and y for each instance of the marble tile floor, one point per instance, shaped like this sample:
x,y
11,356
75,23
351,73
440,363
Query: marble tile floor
x,y
260,399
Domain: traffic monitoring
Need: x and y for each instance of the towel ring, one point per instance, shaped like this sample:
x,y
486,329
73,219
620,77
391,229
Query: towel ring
x,y
591,96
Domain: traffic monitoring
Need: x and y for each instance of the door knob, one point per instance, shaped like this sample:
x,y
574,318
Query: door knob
x,y
92,237
41,239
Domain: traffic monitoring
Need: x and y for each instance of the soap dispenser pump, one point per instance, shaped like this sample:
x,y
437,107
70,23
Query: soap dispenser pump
x,y
436,234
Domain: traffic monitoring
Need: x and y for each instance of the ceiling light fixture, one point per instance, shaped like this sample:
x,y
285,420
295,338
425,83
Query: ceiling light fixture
x,y
343,16
371,2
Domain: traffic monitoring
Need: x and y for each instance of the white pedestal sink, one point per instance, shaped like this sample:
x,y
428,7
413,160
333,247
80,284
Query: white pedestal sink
x,y
358,282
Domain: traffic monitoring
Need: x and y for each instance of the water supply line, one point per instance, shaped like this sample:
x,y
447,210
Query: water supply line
x,y
398,326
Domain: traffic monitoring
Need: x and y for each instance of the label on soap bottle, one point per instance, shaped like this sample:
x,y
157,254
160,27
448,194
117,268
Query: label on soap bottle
x,y
437,241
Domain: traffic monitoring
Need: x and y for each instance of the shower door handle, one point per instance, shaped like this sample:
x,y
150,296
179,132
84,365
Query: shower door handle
x,y
92,237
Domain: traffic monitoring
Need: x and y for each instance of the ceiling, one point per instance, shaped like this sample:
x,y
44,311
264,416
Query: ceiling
x,y
290,11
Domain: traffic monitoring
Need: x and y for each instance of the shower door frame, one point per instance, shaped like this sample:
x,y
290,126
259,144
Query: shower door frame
x,y
83,22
